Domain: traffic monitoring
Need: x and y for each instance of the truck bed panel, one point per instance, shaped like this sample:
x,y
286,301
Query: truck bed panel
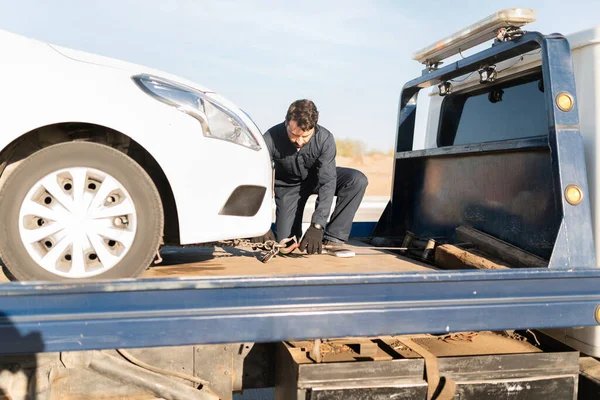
x,y
228,261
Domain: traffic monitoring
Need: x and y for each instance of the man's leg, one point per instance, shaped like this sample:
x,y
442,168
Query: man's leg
x,y
350,190
289,204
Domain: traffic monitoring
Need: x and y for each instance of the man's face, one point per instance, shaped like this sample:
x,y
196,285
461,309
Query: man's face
x,y
297,135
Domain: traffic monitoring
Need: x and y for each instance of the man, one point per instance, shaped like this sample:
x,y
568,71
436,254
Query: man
x,y
303,154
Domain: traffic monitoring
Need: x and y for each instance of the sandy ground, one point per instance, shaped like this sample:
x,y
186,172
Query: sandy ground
x,y
377,168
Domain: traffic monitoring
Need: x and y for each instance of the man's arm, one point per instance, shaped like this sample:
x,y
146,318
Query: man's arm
x,y
327,180
269,142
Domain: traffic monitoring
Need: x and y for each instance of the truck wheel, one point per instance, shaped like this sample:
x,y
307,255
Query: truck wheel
x,y
79,210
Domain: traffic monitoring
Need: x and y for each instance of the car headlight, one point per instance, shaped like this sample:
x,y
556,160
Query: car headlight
x,y
217,121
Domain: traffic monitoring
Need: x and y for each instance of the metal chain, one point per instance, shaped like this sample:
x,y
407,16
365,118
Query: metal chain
x,y
271,247
265,246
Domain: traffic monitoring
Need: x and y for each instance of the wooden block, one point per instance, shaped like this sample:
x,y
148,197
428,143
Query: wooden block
x,y
368,349
448,256
512,255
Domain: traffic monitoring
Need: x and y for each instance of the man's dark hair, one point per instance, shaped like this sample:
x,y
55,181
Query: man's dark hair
x,y
304,112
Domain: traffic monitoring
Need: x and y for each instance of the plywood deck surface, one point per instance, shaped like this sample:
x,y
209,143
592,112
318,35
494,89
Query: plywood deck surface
x,y
227,261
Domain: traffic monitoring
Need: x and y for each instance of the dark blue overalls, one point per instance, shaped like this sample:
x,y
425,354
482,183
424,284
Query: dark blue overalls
x,y
312,170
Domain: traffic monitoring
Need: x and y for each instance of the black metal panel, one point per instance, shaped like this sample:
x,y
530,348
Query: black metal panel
x,y
589,378
405,393
259,366
555,388
588,388
508,195
510,366
561,388
505,145
245,201
523,376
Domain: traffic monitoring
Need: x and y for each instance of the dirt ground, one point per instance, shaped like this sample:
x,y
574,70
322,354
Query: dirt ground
x,y
377,168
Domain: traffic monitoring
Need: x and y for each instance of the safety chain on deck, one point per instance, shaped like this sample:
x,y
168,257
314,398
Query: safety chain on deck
x,y
265,246
272,247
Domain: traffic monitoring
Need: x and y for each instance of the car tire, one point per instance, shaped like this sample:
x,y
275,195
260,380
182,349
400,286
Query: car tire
x,y
109,246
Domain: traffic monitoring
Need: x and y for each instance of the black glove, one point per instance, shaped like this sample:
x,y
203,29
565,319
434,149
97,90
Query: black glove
x,y
261,239
312,241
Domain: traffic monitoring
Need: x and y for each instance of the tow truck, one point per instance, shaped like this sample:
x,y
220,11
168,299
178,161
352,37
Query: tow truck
x,y
494,293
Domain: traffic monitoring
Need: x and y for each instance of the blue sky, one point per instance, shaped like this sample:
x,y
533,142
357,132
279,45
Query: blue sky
x,y
350,56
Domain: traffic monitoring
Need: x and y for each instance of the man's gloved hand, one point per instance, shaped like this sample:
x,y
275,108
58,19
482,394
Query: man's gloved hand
x,y
312,241
261,239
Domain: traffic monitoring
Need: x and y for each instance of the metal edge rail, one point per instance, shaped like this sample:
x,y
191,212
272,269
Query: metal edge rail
x,y
39,317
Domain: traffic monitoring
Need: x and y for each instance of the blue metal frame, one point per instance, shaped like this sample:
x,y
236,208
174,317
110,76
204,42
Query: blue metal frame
x,y
574,246
60,317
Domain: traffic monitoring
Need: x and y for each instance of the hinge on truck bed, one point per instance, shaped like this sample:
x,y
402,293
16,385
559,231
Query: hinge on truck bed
x,y
509,33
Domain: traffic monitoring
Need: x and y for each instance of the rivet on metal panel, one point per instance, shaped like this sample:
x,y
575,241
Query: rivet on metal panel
x,y
574,195
565,101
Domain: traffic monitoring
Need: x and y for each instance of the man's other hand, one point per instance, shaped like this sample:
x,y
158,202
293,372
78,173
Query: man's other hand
x,y
312,241
262,239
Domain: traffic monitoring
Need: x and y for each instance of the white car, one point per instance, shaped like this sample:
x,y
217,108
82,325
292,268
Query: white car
x,y
104,161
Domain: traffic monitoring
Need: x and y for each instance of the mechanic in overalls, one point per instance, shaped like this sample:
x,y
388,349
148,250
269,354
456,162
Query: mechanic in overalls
x,y
303,154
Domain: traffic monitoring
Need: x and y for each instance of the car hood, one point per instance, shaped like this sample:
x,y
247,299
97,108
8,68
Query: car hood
x,y
131,68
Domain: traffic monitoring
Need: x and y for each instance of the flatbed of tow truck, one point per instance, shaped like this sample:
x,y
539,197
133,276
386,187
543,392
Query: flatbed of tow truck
x,y
208,261
235,261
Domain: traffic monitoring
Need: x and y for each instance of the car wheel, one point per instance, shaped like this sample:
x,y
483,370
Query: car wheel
x,y
79,210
